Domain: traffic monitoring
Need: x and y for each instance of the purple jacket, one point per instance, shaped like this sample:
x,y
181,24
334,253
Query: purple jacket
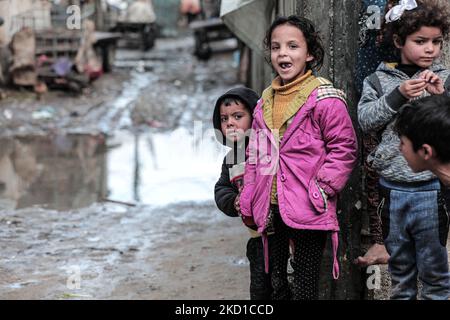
x,y
317,151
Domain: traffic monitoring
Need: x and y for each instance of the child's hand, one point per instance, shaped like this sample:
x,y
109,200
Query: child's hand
x,y
435,85
248,221
413,88
237,206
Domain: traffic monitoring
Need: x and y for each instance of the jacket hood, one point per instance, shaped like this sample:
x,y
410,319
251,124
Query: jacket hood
x,y
246,95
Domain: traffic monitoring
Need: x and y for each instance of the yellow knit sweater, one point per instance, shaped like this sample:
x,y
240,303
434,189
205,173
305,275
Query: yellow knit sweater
x,y
281,110
283,95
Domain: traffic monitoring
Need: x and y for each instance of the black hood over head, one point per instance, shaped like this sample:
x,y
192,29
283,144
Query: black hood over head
x,y
246,95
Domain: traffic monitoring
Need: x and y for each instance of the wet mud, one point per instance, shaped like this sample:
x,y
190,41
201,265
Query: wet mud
x,y
109,195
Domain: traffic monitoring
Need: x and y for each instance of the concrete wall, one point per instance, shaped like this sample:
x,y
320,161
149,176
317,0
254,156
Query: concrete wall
x,y
446,55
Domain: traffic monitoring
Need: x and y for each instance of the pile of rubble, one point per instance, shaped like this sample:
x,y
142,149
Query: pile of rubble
x,y
62,59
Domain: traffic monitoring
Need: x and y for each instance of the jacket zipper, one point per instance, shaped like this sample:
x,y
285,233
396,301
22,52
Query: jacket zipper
x,y
324,197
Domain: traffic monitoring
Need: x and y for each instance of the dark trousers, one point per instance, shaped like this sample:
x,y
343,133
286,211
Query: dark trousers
x,y
308,247
260,286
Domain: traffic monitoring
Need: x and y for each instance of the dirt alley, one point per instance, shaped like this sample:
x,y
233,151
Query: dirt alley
x,y
184,250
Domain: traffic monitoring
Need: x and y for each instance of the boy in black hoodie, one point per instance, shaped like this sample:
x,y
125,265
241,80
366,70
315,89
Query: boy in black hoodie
x,y
232,119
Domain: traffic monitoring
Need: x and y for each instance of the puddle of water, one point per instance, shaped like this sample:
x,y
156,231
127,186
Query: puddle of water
x,y
65,172
74,171
59,172
166,168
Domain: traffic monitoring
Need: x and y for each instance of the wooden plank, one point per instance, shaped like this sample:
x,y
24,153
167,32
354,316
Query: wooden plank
x,y
107,36
209,23
57,49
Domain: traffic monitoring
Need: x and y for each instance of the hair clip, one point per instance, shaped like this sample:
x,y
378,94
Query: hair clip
x,y
397,11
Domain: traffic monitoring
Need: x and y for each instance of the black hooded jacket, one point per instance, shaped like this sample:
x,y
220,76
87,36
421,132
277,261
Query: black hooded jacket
x,y
227,187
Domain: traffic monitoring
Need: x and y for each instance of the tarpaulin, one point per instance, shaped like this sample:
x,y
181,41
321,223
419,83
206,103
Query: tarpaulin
x,y
248,20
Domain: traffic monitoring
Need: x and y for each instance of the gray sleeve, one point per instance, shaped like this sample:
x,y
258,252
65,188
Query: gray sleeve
x,y
375,109
447,86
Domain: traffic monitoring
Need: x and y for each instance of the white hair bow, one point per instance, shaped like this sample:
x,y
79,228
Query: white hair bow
x,y
396,12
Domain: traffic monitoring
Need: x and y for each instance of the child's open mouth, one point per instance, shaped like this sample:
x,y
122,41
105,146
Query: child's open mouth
x,y
285,65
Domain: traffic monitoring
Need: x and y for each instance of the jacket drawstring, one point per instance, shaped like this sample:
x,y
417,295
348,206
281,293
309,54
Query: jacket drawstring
x,y
266,252
335,243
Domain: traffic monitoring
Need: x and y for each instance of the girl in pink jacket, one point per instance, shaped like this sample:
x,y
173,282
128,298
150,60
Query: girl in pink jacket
x,y
302,150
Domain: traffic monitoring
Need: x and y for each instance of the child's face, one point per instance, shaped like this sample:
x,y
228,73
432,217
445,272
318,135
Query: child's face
x,y
289,52
235,120
422,47
415,159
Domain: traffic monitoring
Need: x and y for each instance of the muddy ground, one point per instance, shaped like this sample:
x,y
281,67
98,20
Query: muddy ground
x,y
62,238
65,158
184,251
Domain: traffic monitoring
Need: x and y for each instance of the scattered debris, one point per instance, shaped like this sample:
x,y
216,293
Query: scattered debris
x,y
62,75
40,89
75,295
46,112
129,204
8,114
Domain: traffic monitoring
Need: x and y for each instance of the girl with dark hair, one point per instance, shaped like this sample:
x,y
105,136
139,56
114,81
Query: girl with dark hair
x,y
410,203
301,152
372,50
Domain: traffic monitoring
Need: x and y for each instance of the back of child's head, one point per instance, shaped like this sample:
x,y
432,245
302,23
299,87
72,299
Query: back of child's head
x,y
428,13
243,95
312,37
427,121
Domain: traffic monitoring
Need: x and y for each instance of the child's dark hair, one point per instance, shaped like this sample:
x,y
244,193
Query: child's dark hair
x,y
228,101
427,121
429,13
312,37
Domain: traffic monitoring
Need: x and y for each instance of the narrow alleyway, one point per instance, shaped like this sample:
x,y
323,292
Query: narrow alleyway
x,y
110,195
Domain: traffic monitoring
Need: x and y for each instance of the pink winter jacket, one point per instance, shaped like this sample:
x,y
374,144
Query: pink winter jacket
x,y
318,149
